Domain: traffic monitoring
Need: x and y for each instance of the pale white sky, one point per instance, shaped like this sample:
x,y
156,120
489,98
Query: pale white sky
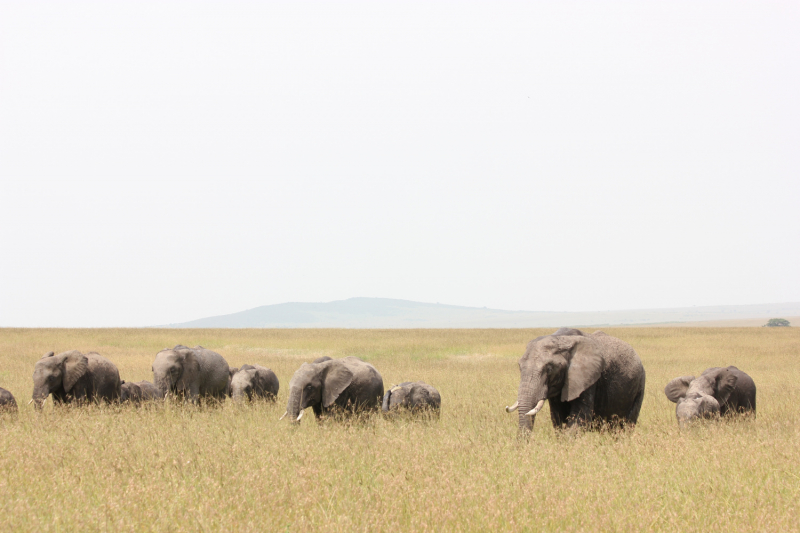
x,y
165,161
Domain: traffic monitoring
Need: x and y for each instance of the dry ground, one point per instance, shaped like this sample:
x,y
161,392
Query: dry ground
x,y
235,468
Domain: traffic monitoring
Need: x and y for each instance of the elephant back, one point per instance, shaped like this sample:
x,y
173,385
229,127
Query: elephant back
x,y
105,377
620,358
214,370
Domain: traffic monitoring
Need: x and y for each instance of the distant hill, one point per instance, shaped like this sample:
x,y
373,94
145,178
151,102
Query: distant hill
x,y
389,313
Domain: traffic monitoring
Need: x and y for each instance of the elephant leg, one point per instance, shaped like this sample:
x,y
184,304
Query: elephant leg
x,y
582,408
559,412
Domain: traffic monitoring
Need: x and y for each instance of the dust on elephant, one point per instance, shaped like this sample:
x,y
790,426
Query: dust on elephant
x,y
7,402
585,378
192,373
75,377
138,392
349,384
716,392
414,396
254,381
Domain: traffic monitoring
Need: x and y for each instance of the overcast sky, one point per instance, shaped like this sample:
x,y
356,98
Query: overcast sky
x,y
166,161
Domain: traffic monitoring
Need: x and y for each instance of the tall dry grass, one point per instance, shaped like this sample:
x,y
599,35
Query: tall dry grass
x,y
180,468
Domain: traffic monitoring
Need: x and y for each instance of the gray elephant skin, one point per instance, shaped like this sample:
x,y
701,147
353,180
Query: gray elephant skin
x,y
717,391
138,392
7,402
587,380
191,373
413,396
75,377
254,381
348,384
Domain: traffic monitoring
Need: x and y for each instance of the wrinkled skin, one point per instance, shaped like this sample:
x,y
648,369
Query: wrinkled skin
x,y
254,381
136,393
586,379
75,377
191,373
347,384
7,402
717,391
414,396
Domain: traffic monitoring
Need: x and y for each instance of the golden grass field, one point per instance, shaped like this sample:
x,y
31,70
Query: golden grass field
x,y
237,468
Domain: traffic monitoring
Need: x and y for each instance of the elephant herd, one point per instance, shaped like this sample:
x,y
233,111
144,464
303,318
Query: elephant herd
x,y
348,384
588,380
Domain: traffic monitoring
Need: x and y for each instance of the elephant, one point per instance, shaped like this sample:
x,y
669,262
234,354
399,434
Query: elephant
x,y
322,359
414,396
137,393
587,380
75,377
254,381
192,373
347,384
7,402
717,391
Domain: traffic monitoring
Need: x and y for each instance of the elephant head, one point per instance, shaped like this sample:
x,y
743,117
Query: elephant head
x,y
700,397
316,385
562,365
175,371
57,374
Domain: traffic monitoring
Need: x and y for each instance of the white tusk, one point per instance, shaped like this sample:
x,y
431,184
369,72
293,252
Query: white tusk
x,y
284,414
536,409
30,402
44,401
299,417
512,408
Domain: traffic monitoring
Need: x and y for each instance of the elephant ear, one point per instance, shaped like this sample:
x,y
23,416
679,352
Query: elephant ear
x,y
726,381
337,380
676,389
75,366
585,366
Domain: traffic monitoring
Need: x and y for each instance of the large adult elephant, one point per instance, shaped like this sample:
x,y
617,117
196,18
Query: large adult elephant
x,y
717,391
75,377
586,379
349,384
192,373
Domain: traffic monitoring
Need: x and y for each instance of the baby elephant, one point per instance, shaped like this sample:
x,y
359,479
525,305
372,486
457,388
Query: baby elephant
x,y
414,396
136,393
254,381
7,402
716,392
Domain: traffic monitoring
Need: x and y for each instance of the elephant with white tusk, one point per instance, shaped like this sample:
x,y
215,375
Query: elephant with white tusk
x,y
717,391
585,378
347,384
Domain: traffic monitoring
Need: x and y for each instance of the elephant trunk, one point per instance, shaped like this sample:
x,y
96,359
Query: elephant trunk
x,y
386,398
163,385
40,394
531,393
293,405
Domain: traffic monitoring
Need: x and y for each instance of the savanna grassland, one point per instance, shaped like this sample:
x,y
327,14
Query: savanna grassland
x,y
237,468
